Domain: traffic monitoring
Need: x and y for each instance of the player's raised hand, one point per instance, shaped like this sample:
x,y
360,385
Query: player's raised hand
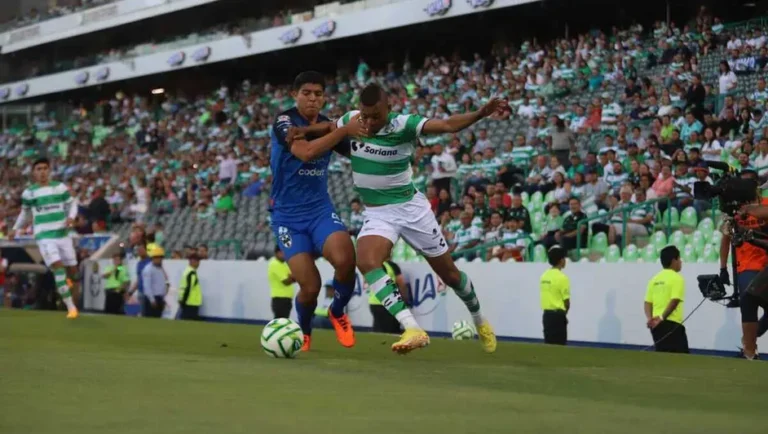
x,y
495,106
356,128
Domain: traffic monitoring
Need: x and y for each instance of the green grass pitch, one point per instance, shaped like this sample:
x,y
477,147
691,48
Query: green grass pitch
x,y
127,375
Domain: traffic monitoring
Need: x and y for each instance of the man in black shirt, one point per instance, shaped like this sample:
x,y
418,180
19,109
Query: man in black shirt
x,y
567,236
520,213
98,211
730,123
631,89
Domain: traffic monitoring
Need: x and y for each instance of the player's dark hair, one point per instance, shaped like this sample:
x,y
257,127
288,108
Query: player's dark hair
x,y
371,95
355,200
41,160
555,255
308,77
669,254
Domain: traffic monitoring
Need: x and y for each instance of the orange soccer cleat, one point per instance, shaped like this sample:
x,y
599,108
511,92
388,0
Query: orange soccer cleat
x,y
343,327
307,343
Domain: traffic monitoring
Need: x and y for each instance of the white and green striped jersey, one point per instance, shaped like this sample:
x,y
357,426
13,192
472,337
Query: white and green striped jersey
x,y
50,206
381,164
464,236
515,239
453,225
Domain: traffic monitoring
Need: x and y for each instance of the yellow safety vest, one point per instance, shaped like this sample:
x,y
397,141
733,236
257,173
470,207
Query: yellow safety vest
x,y
115,280
189,278
277,271
372,300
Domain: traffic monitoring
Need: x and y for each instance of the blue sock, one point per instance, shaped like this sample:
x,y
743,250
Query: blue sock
x,y
305,314
341,296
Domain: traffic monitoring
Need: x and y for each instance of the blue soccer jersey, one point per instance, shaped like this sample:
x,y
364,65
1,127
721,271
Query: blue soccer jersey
x,y
303,215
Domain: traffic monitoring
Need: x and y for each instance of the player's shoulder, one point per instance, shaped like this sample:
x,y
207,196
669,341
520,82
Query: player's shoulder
x,y
347,116
286,116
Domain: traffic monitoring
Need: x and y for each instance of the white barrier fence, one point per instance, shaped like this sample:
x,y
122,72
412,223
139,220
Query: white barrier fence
x,y
607,299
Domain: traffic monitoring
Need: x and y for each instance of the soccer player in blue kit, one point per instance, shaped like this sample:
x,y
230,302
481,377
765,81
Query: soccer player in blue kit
x,y
304,220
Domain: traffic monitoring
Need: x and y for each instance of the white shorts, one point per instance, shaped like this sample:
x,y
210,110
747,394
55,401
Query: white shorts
x,y
412,220
59,249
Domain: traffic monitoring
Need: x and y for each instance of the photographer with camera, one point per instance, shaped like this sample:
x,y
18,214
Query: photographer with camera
x,y
744,233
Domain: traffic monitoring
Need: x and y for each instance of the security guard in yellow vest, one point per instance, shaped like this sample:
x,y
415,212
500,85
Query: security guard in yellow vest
x,y
555,298
281,285
190,294
383,321
116,283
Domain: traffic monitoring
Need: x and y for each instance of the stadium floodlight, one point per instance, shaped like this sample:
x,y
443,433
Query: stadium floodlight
x,y
158,91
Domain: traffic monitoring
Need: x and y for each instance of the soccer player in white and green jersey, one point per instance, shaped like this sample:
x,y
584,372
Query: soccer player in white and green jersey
x,y
49,207
381,172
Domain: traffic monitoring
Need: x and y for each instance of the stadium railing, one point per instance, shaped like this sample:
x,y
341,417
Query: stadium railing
x,y
625,212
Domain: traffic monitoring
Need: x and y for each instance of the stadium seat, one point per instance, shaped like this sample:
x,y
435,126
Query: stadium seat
x,y
677,239
599,243
688,218
715,238
707,227
674,218
658,240
698,242
612,254
526,198
650,253
710,253
688,254
539,253
630,253
536,200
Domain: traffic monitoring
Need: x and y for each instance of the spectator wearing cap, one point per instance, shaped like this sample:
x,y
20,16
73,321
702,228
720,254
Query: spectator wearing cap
x,y
663,305
444,167
281,285
155,284
190,292
567,236
539,175
555,288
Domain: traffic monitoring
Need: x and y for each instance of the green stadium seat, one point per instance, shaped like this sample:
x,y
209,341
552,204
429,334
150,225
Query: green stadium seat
x,y
612,254
650,253
539,253
710,253
677,239
537,221
631,253
526,198
689,254
599,243
698,242
536,199
689,218
707,227
550,197
674,217
658,240
715,238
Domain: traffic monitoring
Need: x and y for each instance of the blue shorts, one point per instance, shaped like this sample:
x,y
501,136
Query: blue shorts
x,y
306,236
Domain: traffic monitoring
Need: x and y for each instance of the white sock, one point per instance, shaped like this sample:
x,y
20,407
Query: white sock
x,y
61,283
407,320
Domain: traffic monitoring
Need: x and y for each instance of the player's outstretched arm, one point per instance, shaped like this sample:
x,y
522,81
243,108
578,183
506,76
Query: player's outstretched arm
x,y
316,130
306,150
458,122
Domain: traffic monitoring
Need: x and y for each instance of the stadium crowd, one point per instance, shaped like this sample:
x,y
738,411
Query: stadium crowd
x,y
642,124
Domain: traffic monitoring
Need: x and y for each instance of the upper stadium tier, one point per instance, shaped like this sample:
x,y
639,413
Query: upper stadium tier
x,y
223,43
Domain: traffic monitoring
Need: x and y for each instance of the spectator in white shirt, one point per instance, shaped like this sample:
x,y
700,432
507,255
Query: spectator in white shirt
x,y
443,168
228,169
482,142
734,43
760,161
711,148
727,79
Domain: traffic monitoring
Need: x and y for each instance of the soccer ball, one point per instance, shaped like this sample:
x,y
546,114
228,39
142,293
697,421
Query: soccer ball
x,y
462,331
282,338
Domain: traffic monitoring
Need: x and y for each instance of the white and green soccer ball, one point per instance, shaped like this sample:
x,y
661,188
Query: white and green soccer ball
x,y
282,338
462,331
